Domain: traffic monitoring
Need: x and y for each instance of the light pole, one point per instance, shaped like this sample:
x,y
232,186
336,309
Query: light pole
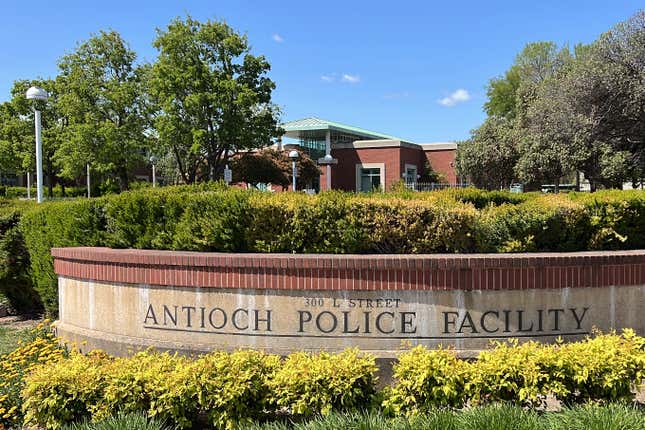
x,y
89,188
294,156
327,161
153,161
36,93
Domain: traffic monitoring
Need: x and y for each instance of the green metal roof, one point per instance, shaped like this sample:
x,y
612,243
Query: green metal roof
x,y
312,124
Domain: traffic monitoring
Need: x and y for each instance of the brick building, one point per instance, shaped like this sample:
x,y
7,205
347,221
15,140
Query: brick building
x,y
354,159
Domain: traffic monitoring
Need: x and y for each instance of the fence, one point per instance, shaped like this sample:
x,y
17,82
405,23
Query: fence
x,y
431,186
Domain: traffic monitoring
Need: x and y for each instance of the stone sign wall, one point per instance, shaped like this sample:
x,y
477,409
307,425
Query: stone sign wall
x,y
123,299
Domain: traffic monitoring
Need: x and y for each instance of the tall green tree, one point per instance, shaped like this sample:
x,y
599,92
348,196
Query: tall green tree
x,y
510,94
103,98
489,157
212,96
17,134
593,110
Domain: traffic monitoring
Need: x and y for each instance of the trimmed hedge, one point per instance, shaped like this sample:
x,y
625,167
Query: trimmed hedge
x,y
21,192
213,217
602,368
226,388
229,389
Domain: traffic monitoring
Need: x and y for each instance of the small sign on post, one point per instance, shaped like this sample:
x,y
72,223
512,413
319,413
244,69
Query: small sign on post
x,y
228,175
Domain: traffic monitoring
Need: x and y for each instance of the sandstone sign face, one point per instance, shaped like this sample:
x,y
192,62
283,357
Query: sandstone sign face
x,y
152,310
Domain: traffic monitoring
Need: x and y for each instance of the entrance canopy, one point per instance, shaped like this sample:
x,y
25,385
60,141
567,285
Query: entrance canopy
x,y
314,133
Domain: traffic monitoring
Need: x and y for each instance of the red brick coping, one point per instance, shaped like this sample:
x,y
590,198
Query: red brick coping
x,y
353,272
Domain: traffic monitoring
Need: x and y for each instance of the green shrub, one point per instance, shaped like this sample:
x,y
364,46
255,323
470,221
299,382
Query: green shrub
x,y
426,379
143,219
211,217
481,198
309,384
304,224
215,221
15,279
59,224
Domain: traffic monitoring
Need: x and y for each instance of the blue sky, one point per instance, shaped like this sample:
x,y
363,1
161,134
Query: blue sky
x,y
414,69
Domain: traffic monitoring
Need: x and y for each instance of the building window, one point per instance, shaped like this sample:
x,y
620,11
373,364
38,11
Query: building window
x,y
410,176
370,177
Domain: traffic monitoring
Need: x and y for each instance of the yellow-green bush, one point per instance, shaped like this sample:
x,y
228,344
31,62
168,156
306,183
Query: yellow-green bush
x,y
233,388
40,347
602,368
512,372
64,391
157,384
309,384
426,379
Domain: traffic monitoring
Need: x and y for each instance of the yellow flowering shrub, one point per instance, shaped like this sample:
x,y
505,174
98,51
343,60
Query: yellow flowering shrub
x,y
40,346
426,379
309,384
65,391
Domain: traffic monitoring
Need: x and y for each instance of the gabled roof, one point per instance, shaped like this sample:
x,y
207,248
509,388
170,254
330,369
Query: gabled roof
x,y
312,124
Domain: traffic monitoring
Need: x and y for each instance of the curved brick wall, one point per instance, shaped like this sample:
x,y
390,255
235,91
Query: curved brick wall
x,y
354,272
119,299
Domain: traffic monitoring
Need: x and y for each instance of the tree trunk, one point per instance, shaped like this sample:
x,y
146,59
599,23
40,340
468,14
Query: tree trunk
x,y
124,180
50,180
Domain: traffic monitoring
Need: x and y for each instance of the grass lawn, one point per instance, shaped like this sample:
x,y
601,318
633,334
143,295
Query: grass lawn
x,y
9,337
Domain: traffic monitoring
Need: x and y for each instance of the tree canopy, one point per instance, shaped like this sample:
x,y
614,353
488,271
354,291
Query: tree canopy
x,y
271,166
567,111
204,99
212,96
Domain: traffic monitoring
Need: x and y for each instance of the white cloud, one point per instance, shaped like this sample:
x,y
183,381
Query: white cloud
x,y
351,79
456,97
278,38
328,78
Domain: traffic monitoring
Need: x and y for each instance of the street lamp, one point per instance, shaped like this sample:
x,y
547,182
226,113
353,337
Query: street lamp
x,y
153,161
38,94
328,160
294,156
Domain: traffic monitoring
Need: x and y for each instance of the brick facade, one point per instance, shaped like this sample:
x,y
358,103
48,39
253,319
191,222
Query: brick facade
x,y
443,162
353,272
393,156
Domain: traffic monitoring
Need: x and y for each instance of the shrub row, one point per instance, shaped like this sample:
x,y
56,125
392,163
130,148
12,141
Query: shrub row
x,y
57,191
226,388
602,368
214,218
243,386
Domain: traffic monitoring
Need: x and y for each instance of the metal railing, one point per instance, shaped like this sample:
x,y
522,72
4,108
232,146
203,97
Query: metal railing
x,y
431,186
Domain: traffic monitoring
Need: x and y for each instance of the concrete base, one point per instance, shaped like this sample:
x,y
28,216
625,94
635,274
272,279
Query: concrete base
x,y
120,318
